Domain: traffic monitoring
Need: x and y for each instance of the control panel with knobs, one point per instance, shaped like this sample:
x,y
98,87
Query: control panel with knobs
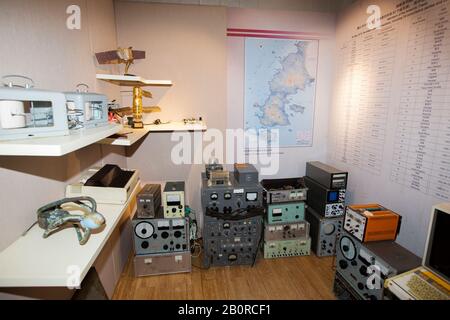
x,y
365,266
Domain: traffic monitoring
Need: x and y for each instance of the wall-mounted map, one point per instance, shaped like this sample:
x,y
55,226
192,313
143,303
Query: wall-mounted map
x,y
280,86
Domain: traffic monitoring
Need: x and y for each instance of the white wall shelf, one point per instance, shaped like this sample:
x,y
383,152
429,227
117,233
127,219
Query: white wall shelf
x,y
130,135
132,81
59,145
32,261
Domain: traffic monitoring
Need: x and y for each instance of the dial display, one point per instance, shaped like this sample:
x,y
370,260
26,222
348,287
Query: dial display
x,y
144,230
348,248
214,196
251,196
328,229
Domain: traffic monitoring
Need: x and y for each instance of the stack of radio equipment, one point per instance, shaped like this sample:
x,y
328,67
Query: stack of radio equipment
x,y
161,231
367,253
326,206
286,233
233,211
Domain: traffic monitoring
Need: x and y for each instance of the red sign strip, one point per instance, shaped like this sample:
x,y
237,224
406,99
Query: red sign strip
x,y
273,36
236,30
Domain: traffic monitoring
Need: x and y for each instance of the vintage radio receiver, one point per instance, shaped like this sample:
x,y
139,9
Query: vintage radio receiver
x,y
325,232
173,200
365,266
232,241
149,201
286,212
326,175
160,235
286,231
328,203
110,184
231,198
86,110
287,248
284,190
245,174
230,251
165,263
28,113
246,224
372,222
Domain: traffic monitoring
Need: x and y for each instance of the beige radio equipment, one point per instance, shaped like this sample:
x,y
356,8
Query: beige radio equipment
x,y
173,199
109,184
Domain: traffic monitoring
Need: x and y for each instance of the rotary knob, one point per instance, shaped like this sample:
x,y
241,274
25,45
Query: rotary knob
x,y
363,270
343,264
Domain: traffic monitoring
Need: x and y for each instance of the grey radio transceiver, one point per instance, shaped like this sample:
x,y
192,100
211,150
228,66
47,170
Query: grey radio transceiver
x,y
365,266
231,241
325,232
230,198
160,235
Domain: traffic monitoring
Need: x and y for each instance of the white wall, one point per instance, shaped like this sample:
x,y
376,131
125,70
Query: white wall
x,y
359,85
35,42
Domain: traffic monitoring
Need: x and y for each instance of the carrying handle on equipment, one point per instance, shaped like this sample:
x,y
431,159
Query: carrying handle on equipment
x,y
8,81
79,87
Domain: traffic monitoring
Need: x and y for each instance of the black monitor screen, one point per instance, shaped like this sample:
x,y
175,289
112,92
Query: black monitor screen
x,y
438,256
333,196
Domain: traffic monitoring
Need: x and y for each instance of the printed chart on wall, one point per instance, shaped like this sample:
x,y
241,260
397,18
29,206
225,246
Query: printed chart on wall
x,y
280,86
393,97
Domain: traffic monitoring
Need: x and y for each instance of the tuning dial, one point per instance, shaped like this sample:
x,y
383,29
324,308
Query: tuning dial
x,y
363,270
343,264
